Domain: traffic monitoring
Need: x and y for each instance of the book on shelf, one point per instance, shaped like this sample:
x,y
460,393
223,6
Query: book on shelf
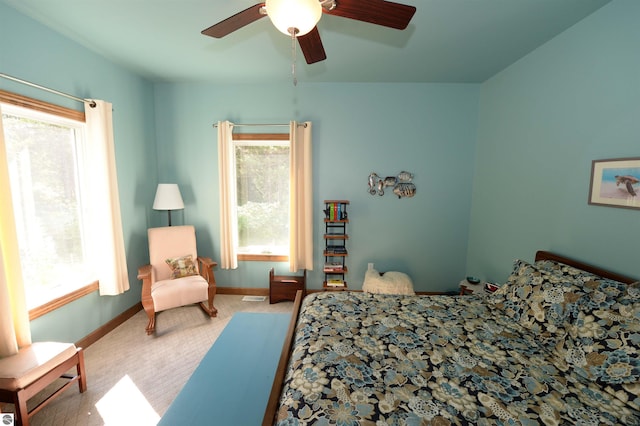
x,y
333,267
336,211
331,253
337,249
335,283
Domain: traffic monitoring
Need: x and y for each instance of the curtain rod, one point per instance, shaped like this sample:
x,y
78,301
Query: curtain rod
x,y
262,125
92,104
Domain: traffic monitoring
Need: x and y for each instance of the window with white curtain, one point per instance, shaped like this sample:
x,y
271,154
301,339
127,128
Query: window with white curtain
x,y
300,221
46,169
262,195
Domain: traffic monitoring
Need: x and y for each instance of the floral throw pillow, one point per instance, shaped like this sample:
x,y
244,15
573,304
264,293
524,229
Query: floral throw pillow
x,y
600,293
603,345
566,270
539,300
183,266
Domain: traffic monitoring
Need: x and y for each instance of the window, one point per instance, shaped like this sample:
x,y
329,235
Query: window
x,y
300,189
262,195
45,162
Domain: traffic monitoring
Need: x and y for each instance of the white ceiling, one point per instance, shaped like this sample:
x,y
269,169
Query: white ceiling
x,y
447,40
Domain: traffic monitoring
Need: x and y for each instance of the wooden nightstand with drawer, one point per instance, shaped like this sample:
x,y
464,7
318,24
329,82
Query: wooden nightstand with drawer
x,y
284,287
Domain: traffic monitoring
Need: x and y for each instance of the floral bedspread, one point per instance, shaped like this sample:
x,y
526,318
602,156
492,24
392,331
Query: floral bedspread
x,y
365,359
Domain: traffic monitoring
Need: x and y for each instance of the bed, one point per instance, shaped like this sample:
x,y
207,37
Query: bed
x,y
558,343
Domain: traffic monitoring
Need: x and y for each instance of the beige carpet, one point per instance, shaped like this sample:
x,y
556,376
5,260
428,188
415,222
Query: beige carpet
x,y
132,378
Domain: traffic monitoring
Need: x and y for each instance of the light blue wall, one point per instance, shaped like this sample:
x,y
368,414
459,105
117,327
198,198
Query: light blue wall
x,y
32,52
541,123
502,169
427,129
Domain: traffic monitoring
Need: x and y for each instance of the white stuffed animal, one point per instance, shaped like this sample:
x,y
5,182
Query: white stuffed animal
x,y
388,283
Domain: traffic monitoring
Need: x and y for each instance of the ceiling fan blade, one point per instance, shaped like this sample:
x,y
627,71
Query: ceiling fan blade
x,y
311,46
379,12
235,22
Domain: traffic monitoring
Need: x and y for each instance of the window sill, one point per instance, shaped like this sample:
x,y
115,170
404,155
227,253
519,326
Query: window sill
x,y
263,257
63,300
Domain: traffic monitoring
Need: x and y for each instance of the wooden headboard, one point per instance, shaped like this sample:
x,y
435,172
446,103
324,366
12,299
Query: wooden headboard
x,y
546,255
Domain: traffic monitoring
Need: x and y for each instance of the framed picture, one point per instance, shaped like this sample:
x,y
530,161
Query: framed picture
x,y
615,183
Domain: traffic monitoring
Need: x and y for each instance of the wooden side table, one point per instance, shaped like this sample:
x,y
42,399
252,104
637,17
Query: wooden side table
x,y
284,287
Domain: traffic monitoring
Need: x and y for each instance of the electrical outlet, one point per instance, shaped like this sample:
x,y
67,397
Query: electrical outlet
x,y
370,267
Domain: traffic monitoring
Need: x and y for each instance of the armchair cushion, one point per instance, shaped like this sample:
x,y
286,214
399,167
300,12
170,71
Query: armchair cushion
x,y
176,292
182,266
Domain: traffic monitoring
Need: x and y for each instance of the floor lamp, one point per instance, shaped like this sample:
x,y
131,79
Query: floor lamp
x,y
168,198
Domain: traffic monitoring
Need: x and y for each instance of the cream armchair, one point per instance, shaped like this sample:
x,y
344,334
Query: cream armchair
x,y
176,275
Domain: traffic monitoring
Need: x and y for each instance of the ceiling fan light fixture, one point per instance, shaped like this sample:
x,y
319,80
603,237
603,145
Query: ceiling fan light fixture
x,y
294,17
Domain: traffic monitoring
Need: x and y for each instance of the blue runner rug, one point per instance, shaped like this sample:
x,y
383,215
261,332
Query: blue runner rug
x,y
231,385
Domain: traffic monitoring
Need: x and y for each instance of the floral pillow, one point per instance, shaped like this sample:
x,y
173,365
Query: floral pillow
x,y
541,301
603,344
565,270
183,266
602,292
600,319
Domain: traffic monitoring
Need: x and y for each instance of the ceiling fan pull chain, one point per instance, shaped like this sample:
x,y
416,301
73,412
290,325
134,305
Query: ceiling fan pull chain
x,y
293,56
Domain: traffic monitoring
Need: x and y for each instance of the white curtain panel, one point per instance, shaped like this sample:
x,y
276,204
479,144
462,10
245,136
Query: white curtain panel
x,y
14,317
228,214
111,263
300,198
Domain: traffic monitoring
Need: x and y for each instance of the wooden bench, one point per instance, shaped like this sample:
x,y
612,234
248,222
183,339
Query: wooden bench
x,y
35,367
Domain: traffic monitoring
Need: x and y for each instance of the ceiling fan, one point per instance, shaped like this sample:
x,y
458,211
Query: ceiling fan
x,y
298,19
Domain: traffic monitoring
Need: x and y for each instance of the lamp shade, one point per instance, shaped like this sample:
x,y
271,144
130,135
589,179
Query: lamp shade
x,y
301,15
168,197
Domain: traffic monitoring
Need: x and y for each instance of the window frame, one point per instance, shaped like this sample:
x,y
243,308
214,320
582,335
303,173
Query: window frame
x,y
257,257
53,109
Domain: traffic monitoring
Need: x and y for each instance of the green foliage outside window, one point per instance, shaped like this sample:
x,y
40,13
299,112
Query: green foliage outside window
x,y
43,168
262,173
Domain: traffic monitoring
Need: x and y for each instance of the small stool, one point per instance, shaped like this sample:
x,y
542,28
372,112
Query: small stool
x,y
35,367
